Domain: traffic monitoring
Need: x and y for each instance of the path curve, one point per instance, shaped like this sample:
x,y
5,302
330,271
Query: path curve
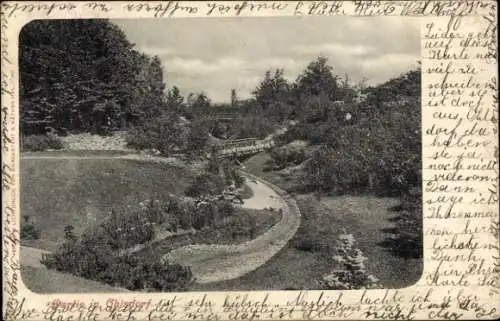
x,y
213,263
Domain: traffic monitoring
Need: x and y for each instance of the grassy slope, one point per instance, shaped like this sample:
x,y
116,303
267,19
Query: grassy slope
x,y
56,193
365,217
42,280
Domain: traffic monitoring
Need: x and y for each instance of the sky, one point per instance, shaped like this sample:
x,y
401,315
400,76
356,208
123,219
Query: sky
x,y
214,55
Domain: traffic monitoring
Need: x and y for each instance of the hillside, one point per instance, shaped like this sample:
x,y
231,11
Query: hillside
x,y
80,192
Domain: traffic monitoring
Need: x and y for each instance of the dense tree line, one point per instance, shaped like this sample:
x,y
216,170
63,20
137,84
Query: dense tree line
x,y
85,76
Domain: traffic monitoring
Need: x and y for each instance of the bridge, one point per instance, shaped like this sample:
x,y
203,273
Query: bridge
x,y
241,147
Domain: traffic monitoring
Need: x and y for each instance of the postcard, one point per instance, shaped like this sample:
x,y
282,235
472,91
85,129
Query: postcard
x,y
250,160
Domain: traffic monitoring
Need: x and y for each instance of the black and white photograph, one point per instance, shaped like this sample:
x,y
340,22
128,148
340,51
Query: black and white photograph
x,y
221,154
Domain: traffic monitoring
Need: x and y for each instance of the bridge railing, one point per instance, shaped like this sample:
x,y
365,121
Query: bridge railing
x,y
239,143
244,146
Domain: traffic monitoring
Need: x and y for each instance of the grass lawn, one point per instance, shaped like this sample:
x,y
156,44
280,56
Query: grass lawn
x,y
57,192
42,280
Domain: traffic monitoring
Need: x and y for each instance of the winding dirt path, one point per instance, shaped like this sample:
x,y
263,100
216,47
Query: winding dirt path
x,y
213,263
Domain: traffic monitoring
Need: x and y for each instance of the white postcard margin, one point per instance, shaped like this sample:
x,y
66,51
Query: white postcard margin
x,y
453,285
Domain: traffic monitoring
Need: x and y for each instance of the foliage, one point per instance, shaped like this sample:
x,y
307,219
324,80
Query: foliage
x,y
353,274
163,133
231,175
29,231
206,184
35,143
272,96
91,258
376,153
84,76
123,230
286,156
173,213
197,106
197,139
148,276
318,80
407,241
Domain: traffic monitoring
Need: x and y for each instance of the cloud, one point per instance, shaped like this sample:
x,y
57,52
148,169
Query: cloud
x,y
333,49
216,55
203,67
156,51
384,67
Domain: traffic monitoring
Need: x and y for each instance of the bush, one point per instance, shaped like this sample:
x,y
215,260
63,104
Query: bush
x,y
256,126
29,231
97,261
308,245
286,156
149,276
353,274
123,230
94,258
34,143
186,215
232,176
164,134
206,184
197,139
408,239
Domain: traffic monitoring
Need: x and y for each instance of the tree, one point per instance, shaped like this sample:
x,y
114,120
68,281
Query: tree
x,y
199,104
234,98
318,80
353,274
197,138
174,99
83,75
272,95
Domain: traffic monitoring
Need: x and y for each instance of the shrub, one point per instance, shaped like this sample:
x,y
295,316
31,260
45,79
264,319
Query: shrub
x,y
232,176
164,134
286,156
186,215
29,231
123,230
206,184
307,245
225,209
93,258
197,139
256,126
353,274
408,239
34,143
